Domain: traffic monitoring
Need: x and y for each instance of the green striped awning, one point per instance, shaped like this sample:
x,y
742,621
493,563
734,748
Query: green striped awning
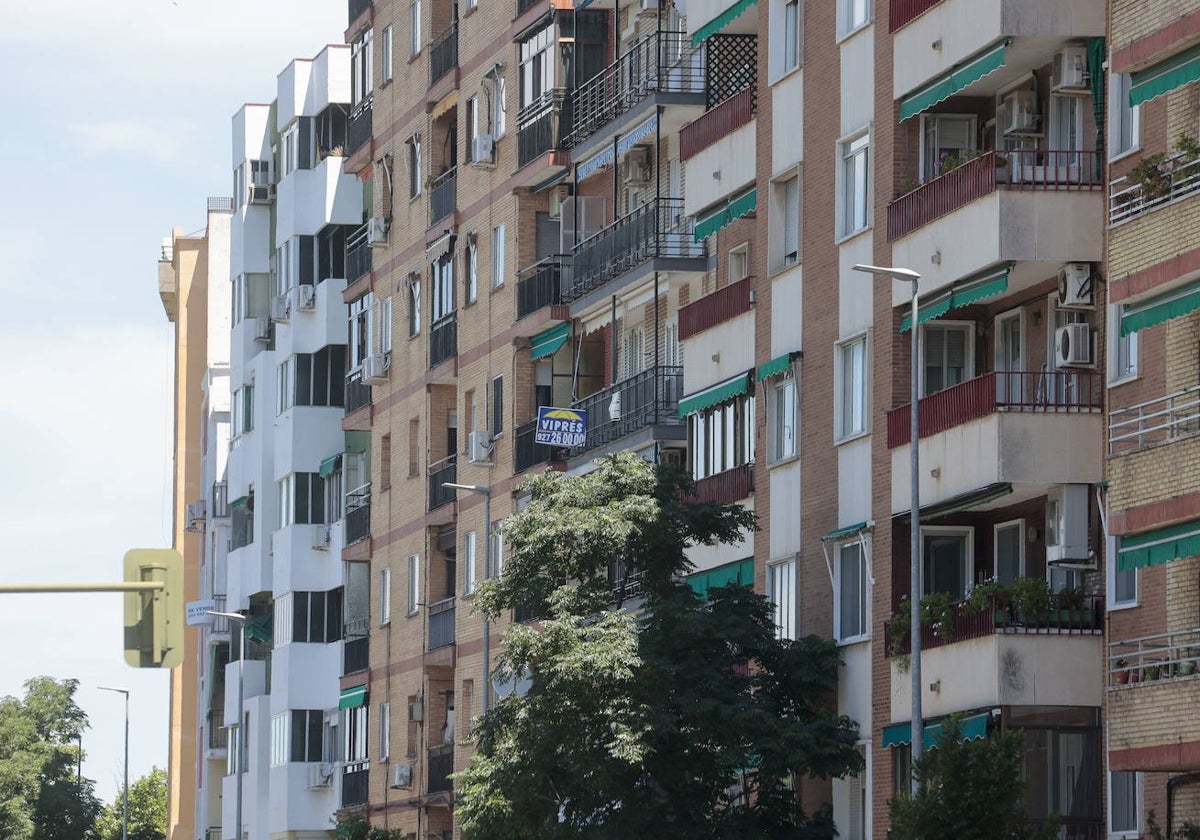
x,y
1160,308
961,502
1165,76
741,572
1162,546
547,342
969,291
965,73
973,728
716,394
721,21
723,214
352,698
330,465
238,502
776,366
847,531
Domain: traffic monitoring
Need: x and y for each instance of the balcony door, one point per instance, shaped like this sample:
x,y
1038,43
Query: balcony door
x,y
948,353
1060,386
1010,358
946,561
1009,551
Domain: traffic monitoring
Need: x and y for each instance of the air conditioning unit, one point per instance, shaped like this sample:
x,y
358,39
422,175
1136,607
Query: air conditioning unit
x,y
1067,524
402,775
1073,346
557,196
1020,113
483,147
416,712
262,193
637,166
1075,285
479,447
281,307
1069,73
306,298
262,330
375,368
320,775
320,537
377,231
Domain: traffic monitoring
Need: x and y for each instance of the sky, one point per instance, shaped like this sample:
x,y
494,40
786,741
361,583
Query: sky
x,y
117,129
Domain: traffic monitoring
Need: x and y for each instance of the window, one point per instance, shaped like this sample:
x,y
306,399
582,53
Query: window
x,y
783,418
472,119
362,66
789,192
414,21
1124,793
497,551
1009,551
537,66
334,491
385,325
902,769
1066,128
361,330
302,500
722,437
242,412
781,589
852,372
948,352
385,731
354,735
851,577
1123,349
739,262
855,184
1122,589
468,708
1124,122
385,597
946,557
313,379
317,617
792,42
633,359
280,735
469,564
290,144
414,306
472,269
855,13
945,138
497,406
387,53
414,166
414,583
497,256
414,447
233,755
307,734
499,106
442,290
242,524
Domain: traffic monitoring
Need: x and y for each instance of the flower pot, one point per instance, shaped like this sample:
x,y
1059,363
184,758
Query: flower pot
x,y
1186,668
1120,677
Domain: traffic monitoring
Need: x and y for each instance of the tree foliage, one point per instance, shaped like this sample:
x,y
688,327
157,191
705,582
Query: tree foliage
x,y
41,797
687,719
969,790
147,810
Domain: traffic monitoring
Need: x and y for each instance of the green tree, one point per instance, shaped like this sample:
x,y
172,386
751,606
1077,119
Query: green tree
x,y
147,810
969,790
687,719
41,797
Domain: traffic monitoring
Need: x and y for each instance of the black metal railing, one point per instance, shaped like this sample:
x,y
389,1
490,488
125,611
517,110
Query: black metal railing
x,y
644,399
357,7
358,255
358,132
354,784
443,56
355,655
658,228
443,340
543,124
540,284
218,734
660,62
441,765
358,514
358,393
441,623
527,453
443,195
440,472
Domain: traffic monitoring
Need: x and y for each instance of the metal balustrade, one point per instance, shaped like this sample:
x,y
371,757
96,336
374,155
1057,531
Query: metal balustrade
x,y
542,125
1128,199
441,765
358,255
443,195
1152,422
358,131
443,55
644,399
358,514
441,623
902,12
443,340
355,785
441,472
540,284
527,453
358,393
356,8
1162,656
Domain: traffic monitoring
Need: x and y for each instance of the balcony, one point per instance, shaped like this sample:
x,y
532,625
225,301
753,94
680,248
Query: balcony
x,y
725,488
443,56
358,132
358,514
643,400
656,230
1150,216
441,623
660,63
443,195
358,393
1153,694
355,645
726,118
1154,422
441,472
358,255
540,285
714,309
355,786
542,125
357,7
443,340
220,500
901,12
441,765
527,453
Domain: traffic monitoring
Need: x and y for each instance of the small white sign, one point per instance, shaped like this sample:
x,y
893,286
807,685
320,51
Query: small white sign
x,y
198,612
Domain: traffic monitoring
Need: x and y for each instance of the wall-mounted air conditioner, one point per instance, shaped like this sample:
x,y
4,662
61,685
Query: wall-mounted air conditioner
x,y
262,193
637,166
281,308
375,368
416,711
483,147
557,195
1069,73
1073,346
262,330
377,231
306,298
479,446
320,537
402,775
1075,285
1019,113
320,775
1067,524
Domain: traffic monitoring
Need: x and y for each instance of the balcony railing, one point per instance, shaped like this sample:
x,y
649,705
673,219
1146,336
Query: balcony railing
x,y
443,195
1081,615
220,624
213,833
441,765
658,228
726,487
540,285
357,7
355,655
1164,656
542,125
649,397
440,472
1177,177
358,132
441,623
901,12
527,454
358,393
1157,421
1028,169
713,309
355,785
358,255
1046,392
721,121
358,514
218,734
660,62
443,56
443,340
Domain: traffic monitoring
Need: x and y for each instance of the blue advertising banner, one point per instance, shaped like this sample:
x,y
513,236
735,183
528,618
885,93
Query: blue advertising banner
x,y
560,426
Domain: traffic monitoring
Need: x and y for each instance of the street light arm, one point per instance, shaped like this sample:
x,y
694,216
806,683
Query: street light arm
x,y
906,274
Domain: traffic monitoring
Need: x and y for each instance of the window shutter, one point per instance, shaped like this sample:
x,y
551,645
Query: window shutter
x,y
954,133
855,828
791,220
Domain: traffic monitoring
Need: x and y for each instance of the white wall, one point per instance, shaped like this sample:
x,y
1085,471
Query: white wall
x,y
731,158
733,344
787,309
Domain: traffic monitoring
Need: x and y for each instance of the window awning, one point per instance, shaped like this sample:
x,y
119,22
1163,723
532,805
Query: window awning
x,y
1160,308
962,502
594,164
1165,76
352,698
973,290
973,728
1156,547
637,135
547,342
721,21
448,102
741,572
965,73
716,394
330,465
723,214
847,531
776,366
238,502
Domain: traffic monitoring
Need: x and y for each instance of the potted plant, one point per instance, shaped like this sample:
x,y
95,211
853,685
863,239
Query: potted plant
x,y
1030,599
1186,664
1120,672
1152,672
937,613
898,628
995,595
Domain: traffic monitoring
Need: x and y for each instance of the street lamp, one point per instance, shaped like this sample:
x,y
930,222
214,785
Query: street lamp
x,y
241,714
487,573
917,727
125,797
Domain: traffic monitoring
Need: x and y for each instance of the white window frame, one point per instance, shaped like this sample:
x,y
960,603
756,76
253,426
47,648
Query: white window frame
x,y
414,23
782,259
414,583
780,399
385,732
853,15
385,325
968,559
842,416
1121,347
498,255
291,144
415,183
739,258
1118,92
469,551
386,54
385,597
996,529
864,633
499,106
1111,572
1138,807
281,738
472,120
472,269
968,329
793,39
928,168
786,614
1076,104
497,551
854,186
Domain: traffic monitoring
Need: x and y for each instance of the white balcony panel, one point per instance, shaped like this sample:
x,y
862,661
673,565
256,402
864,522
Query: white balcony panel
x,y
251,141
720,170
295,810
298,567
787,307
309,199
954,30
329,81
250,240
305,676
308,330
857,81
719,353
291,90
255,686
784,533
1047,226
1001,670
787,132
1034,449
306,435
854,682
854,480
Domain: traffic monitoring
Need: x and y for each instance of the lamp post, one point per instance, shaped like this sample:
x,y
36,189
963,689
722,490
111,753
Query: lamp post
x,y
241,714
125,796
487,573
917,727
